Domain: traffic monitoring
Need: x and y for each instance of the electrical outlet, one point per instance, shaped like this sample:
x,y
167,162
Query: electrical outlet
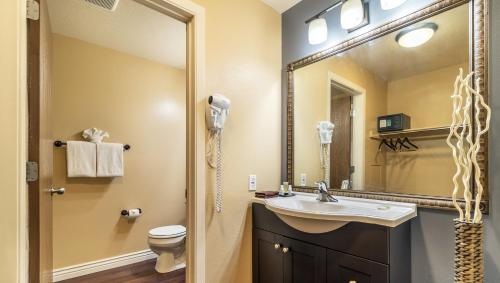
x,y
252,183
303,179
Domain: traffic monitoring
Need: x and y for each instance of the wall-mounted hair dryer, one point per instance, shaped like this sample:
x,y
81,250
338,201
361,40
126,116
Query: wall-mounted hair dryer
x,y
325,132
216,114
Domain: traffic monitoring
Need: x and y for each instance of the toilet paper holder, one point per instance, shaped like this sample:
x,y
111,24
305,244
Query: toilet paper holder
x,y
131,213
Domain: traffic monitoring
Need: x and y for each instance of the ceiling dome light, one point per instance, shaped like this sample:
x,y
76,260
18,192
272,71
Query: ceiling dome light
x,y
390,4
318,31
352,14
416,36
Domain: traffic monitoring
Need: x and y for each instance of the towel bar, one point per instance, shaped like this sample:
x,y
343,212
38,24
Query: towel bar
x,y
63,143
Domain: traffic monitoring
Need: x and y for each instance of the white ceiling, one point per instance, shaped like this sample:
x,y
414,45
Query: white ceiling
x,y
281,5
449,46
132,28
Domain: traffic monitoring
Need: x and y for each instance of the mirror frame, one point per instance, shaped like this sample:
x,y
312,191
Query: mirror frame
x,y
478,59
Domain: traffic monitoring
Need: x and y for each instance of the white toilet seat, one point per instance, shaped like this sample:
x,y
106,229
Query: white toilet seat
x,y
167,232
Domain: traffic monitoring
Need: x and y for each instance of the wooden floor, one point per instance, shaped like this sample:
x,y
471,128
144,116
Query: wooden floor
x,y
142,272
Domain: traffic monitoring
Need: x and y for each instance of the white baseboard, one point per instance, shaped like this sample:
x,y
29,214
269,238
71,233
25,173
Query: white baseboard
x,y
101,265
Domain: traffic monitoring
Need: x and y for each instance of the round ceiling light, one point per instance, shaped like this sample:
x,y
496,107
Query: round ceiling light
x,y
318,31
416,36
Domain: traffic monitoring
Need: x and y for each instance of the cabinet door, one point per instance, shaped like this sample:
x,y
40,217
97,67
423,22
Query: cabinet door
x,y
267,257
344,268
303,262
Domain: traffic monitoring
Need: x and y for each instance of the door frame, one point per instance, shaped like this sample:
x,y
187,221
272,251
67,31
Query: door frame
x,y
358,124
194,16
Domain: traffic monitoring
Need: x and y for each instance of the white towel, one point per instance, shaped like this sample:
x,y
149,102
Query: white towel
x,y
81,159
109,159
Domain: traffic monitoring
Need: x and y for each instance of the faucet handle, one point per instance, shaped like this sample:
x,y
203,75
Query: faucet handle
x,y
322,186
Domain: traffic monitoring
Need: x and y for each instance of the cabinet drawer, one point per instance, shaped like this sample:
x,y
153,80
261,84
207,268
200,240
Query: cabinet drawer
x,y
345,268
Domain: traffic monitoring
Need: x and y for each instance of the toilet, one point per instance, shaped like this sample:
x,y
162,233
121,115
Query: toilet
x,y
168,242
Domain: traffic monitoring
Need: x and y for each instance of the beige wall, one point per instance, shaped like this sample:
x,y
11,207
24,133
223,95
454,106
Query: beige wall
x,y
311,91
138,102
11,150
426,99
243,62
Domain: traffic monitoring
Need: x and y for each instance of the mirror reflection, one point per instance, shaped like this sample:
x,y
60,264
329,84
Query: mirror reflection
x,y
375,117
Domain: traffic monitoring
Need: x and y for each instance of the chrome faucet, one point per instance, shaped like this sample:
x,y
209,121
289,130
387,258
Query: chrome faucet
x,y
323,195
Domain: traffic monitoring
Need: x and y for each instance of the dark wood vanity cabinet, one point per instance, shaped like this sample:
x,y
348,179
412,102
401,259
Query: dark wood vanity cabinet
x,y
355,253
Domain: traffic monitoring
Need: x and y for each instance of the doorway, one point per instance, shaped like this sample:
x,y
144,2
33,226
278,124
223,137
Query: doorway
x,y
340,154
41,50
346,109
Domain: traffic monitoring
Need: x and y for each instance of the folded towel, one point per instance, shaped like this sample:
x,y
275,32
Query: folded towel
x,y
266,194
109,159
81,159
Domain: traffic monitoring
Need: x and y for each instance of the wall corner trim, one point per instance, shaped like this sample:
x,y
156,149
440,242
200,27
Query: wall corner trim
x,y
101,265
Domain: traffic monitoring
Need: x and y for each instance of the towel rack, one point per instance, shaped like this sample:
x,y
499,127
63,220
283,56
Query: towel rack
x,y
63,143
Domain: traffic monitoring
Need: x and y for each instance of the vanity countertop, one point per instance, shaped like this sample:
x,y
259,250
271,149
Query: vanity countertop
x,y
347,209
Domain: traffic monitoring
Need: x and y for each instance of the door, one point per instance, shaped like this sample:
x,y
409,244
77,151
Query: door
x,y
340,150
278,259
345,268
267,257
303,262
40,147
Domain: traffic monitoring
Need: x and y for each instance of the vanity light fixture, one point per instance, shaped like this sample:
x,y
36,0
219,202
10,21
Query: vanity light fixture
x,y
318,31
416,36
353,15
390,4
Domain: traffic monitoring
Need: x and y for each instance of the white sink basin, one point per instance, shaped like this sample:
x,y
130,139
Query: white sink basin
x,y
307,214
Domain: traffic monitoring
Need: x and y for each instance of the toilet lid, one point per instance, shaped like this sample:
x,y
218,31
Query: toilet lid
x,y
167,232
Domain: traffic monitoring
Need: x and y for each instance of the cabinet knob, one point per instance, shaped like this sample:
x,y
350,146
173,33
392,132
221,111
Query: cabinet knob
x,y
277,246
285,250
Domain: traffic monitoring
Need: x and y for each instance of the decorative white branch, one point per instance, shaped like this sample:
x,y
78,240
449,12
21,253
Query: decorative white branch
x,y
466,149
455,120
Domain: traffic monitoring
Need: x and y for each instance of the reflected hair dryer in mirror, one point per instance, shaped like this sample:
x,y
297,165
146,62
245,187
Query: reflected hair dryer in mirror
x,y
325,131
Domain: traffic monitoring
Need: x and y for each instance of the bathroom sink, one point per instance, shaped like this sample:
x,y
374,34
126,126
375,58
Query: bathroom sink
x,y
305,213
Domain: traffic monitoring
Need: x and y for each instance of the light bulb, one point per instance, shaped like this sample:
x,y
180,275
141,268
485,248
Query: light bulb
x,y
318,31
390,4
351,14
416,36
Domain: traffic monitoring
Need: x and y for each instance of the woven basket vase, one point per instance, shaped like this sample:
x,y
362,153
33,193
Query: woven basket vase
x,y
469,261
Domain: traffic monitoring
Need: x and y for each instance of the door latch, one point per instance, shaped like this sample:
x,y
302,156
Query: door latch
x,y
31,171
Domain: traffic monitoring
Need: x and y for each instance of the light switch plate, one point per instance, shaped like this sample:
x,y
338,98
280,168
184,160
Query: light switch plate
x,y
252,183
303,179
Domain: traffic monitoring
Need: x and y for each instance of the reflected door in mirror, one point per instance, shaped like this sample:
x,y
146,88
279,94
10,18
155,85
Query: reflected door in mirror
x,y
340,115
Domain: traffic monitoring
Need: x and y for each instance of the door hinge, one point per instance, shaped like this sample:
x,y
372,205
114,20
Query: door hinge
x,y
31,171
352,112
352,169
32,10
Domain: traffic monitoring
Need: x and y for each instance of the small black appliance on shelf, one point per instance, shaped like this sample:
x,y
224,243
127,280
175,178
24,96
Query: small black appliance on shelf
x,y
394,122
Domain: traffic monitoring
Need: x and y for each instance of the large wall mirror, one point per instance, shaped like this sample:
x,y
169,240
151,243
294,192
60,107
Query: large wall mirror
x,y
370,116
